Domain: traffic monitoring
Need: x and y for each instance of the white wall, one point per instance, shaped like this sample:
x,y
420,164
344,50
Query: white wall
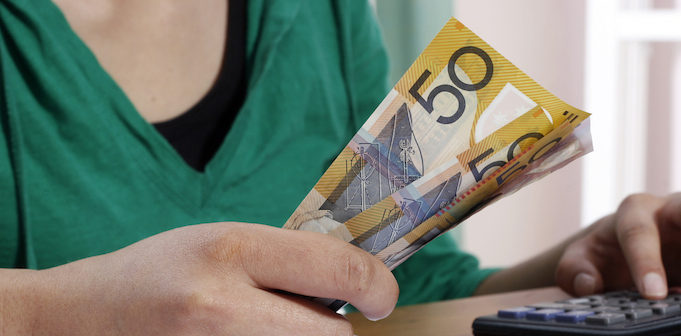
x,y
545,39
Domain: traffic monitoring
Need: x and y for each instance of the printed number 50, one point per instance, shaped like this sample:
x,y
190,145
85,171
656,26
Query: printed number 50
x,y
460,85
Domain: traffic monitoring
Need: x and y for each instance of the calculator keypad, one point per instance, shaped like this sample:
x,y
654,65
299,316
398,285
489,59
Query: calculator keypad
x,y
614,313
607,309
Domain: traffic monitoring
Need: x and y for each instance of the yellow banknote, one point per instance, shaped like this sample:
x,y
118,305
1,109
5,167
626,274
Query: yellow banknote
x,y
462,128
552,152
457,93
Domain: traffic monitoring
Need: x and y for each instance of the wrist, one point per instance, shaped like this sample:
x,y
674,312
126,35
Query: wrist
x,y
58,300
19,301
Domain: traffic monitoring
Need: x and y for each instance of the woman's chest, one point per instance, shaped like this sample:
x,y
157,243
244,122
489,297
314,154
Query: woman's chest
x,y
164,54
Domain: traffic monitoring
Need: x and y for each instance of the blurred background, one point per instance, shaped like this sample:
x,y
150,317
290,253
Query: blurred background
x,y
617,59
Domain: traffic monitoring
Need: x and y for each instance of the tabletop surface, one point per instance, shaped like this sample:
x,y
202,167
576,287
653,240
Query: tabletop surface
x,y
453,317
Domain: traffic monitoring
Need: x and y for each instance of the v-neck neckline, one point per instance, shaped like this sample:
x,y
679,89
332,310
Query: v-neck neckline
x,y
141,141
198,133
149,149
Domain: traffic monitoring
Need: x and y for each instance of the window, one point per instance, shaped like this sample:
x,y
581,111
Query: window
x,y
632,85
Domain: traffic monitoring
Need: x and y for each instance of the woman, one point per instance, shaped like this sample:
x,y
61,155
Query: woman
x,y
123,122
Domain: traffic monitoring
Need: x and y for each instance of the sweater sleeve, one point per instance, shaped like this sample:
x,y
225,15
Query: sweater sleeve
x,y
439,271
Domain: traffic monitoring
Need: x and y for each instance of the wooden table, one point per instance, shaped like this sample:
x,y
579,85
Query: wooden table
x,y
453,317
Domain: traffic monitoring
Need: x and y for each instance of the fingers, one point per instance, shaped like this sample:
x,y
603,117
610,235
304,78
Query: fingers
x,y
578,270
624,249
639,238
669,215
316,265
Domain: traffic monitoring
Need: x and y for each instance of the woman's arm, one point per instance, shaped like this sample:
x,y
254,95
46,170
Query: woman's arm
x,y
211,279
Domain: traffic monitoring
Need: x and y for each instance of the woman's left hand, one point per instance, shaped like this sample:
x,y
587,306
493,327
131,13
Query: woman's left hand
x,y
637,246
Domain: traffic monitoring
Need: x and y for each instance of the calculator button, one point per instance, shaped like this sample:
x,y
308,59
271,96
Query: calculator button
x,y
616,294
544,314
673,298
574,316
516,313
605,309
606,318
635,314
615,302
595,297
665,308
634,295
644,302
547,305
571,307
554,305
577,301
627,305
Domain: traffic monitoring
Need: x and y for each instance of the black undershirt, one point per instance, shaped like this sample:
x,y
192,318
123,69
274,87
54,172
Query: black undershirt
x,y
198,133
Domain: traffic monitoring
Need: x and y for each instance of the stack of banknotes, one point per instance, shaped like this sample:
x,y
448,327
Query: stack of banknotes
x,y
461,129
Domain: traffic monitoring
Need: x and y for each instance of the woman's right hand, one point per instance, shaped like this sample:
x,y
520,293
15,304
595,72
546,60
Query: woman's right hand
x,y
209,279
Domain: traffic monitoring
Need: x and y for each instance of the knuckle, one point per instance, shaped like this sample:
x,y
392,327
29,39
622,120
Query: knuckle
x,y
228,248
633,231
201,303
224,250
200,309
355,273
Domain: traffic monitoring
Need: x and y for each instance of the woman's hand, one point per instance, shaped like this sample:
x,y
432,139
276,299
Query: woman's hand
x,y
639,245
211,279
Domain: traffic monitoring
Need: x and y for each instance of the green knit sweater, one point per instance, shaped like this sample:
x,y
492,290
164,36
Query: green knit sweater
x,y
82,173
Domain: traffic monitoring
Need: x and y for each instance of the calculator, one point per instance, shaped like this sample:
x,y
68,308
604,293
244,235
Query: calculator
x,y
612,313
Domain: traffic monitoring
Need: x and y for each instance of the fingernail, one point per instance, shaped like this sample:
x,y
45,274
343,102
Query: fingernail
x,y
584,284
374,319
653,285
